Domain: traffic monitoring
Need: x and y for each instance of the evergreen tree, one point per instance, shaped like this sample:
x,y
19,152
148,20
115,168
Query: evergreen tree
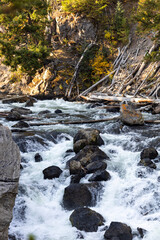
x,y
23,42
148,16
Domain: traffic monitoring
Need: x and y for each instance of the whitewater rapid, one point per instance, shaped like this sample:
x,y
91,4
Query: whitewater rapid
x,y
127,197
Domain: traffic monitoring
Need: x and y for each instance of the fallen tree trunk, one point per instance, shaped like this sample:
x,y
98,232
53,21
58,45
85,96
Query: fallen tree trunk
x,y
94,85
100,96
75,122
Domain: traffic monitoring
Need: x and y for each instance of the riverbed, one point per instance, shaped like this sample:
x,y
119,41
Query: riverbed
x,y
131,196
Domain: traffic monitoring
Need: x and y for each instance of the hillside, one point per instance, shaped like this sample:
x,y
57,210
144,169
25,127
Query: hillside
x,y
70,34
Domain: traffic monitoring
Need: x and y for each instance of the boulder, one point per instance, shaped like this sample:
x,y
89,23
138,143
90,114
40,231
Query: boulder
x,y
150,153
80,195
94,166
21,110
14,116
100,175
38,157
118,231
77,146
21,124
52,172
86,219
89,137
89,154
130,116
9,177
75,167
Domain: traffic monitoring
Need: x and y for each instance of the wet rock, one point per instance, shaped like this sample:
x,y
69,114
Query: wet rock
x,y
118,231
150,153
77,177
30,102
44,112
90,154
130,116
79,145
38,158
22,111
21,124
9,177
86,219
57,111
52,172
14,116
146,162
94,166
100,176
30,142
141,232
80,195
155,109
75,167
89,137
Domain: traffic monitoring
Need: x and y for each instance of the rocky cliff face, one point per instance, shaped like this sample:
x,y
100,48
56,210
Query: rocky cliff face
x,y
9,176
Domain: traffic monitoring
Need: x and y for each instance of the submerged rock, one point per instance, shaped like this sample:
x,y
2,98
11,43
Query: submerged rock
x,y
118,231
130,116
57,111
86,219
52,172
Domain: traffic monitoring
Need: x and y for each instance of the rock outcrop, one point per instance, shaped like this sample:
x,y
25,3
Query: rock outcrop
x,y
9,176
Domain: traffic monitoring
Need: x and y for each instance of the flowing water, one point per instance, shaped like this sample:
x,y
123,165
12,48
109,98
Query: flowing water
x,y
131,196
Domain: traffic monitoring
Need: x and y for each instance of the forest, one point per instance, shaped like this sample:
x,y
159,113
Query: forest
x,y
27,36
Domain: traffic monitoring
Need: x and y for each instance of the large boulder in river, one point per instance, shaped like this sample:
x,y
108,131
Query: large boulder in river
x,y
95,166
9,176
80,195
87,137
86,219
89,154
52,172
150,153
130,116
118,231
14,116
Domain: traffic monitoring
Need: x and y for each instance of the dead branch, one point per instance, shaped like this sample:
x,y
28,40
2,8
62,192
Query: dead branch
x,y
94,85
144,80
69,89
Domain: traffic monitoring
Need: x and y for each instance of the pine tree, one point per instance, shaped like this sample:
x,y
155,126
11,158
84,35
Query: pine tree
x,y
23,40
148,17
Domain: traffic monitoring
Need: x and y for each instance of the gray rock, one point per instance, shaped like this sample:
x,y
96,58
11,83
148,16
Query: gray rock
x,y
9,176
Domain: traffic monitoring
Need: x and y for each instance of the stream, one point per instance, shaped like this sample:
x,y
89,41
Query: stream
x,y
131,196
